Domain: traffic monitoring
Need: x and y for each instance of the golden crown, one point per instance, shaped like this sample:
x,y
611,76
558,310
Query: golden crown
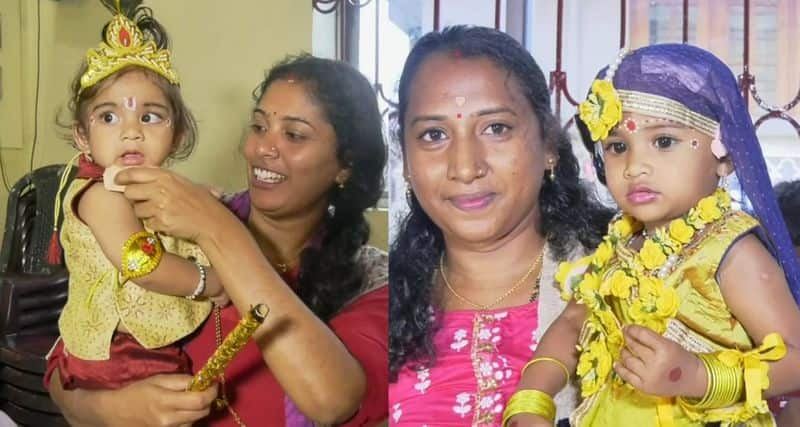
x,y
125,45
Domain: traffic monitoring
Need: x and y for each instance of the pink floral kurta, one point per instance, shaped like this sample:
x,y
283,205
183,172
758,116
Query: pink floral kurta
x,y
479,356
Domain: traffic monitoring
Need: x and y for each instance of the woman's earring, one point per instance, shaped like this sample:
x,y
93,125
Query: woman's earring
x,y
409,191
552,165
723,181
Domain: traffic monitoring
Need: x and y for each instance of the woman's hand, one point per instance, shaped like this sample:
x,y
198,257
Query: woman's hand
x,y
170,203
658,366
157,401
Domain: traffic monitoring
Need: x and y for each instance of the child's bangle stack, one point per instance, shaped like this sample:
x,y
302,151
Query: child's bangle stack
x,y
724,387
736,381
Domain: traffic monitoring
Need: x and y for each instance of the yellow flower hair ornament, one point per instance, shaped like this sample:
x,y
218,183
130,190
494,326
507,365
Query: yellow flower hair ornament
x,y
602,109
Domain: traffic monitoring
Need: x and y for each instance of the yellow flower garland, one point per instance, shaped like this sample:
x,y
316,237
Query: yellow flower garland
x,y
639,282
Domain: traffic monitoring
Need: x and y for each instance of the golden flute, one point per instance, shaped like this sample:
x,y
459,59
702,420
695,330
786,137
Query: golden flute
x,y
232,344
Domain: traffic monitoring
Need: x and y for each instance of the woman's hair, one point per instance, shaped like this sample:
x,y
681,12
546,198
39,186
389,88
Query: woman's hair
x,y
330,274
184,125
569,214
788,194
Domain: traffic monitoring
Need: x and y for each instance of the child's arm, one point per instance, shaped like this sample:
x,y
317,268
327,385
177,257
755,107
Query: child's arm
x,y
111,218
755,289
558,343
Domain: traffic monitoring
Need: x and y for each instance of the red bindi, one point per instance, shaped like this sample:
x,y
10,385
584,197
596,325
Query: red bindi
x,y
675,375
458,116
630,125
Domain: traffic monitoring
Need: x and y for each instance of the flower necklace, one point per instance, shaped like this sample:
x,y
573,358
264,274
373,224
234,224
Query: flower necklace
x,y
639,281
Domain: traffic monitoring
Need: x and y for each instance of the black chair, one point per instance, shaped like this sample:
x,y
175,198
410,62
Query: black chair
x,y
32,294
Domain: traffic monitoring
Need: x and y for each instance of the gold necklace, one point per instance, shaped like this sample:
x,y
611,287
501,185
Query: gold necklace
x,y
222,402
535,290
511,290
283,267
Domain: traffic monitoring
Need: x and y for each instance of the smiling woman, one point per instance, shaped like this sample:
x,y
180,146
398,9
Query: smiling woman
x,y
295,241
289,151
495,204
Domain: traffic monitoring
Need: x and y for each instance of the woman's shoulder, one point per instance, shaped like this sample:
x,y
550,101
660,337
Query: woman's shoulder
x,y
238,203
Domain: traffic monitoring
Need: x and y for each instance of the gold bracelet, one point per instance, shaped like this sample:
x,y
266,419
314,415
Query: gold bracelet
x,y
560,364
530,402
141,254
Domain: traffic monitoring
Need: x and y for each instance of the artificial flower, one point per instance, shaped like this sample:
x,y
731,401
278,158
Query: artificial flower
x,y
624,226
667,302
652,255
563,271
708,210
601,110
603,253
621,284
681,231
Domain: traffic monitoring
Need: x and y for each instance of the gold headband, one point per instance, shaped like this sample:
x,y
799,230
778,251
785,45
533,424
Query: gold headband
x,y
665,108
126,46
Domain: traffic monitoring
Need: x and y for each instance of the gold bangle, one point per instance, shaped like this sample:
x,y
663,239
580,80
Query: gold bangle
x,y
530,402
724,387
560,364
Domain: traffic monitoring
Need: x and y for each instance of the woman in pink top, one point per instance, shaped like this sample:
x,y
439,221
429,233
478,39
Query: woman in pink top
x,y
495,203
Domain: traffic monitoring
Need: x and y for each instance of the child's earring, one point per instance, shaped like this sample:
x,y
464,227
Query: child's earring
x,y
723,182
717,147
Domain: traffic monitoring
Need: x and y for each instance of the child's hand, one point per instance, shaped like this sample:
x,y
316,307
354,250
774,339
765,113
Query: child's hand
x,y
658,366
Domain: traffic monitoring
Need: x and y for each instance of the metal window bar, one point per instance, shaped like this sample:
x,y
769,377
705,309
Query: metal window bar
x,y
558,77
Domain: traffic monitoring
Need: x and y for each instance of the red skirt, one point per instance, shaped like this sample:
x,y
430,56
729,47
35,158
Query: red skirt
x,y
128,362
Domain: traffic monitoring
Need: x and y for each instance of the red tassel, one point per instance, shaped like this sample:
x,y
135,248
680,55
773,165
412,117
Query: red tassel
x,y
54,250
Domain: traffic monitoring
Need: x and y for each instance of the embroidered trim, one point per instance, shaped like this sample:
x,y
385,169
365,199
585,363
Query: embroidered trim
x,y
665,108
